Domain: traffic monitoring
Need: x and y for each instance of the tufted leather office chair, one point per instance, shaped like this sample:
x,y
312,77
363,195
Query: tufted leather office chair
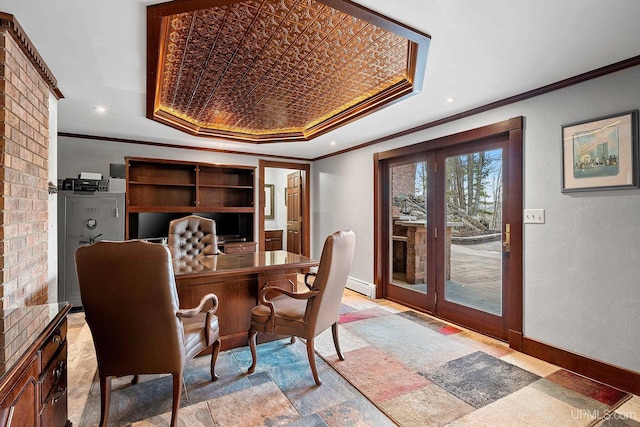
x,y
307,314
131,306
190,237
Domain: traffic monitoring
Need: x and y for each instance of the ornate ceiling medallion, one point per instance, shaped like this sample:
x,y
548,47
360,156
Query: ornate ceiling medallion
x,y
275,70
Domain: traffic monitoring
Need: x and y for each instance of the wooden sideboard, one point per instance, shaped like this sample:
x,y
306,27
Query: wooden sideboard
x,y
33,381
237,279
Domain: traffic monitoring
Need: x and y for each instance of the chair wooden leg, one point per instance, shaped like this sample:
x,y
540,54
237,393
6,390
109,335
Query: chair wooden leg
x,y
312,360
177,392
215,349
105,400
336,342
253,336
135,379
293,339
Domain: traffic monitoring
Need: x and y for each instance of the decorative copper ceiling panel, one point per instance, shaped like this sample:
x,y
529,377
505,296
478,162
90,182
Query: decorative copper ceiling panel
x,y
275,70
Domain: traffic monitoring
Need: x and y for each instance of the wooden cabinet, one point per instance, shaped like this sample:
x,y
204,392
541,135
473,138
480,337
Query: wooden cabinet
x,y
272,240
33,385
157,185
177,188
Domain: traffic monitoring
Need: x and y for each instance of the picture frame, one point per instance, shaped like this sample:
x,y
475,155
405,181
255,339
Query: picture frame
x,y
601,153
269,201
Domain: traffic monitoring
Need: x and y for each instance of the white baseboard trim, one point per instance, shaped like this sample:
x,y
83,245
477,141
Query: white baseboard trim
x,y
364,288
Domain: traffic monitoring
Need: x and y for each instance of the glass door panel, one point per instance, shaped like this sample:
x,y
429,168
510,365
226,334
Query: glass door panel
x,y
473,214
408,243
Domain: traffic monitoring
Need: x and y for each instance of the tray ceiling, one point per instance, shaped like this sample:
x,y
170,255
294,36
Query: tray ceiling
x,y
275,70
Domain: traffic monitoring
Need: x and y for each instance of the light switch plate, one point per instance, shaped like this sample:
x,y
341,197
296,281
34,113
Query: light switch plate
x,y
534,216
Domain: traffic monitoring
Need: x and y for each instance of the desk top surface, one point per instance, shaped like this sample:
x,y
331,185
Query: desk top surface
x,y
242,263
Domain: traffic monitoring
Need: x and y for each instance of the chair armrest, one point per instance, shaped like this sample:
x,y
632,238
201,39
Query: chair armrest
x,y
306,278
268,292
270,289
191,312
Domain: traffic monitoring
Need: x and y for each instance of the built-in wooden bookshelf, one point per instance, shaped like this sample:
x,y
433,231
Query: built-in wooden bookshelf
x,y
177,187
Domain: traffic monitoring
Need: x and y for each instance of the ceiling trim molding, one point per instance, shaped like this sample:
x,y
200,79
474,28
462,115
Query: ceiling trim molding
x,y
167,145
589,75
11,26
599,72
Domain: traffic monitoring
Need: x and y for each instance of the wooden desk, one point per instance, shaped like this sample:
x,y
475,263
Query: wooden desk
x,y
236,279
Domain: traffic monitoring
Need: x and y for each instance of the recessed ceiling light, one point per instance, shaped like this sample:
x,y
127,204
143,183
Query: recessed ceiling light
x,y
449,100
100,109
332,143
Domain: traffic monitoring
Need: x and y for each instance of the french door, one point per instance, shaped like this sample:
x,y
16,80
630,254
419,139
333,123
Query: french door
x,y
411,268
473,287
451,232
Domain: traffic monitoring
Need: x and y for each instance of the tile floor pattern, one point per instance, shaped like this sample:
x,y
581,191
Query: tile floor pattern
x,y
417,371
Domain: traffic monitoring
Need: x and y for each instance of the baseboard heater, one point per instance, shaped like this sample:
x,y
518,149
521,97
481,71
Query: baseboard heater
x,y
361,287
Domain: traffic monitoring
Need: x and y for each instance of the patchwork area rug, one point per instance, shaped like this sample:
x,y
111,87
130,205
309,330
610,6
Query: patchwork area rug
x,y
401,367
423,372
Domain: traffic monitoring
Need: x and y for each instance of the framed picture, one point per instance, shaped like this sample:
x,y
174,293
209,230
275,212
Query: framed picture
x,y
601,154
268,201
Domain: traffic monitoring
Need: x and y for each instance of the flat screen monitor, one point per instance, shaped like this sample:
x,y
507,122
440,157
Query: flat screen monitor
x,y
234,226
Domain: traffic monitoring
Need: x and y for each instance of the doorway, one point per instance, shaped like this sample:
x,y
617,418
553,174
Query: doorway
x,y
449,227
287,186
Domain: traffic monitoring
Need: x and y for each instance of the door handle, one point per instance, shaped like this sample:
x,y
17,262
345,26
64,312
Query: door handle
x,y
506,243
90,240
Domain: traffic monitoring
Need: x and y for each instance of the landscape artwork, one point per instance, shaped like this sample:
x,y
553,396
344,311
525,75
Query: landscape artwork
x,y
595,153
601,154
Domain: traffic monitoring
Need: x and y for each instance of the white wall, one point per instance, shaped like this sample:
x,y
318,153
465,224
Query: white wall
x,y
278,177
77,155
85,155
581,268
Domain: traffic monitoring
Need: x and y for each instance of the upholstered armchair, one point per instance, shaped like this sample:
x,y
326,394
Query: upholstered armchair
x,y
307,314
130,301
190,237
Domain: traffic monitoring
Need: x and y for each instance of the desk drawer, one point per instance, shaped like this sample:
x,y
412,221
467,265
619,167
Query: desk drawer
x,y
54,413
53,380
238,248
53,343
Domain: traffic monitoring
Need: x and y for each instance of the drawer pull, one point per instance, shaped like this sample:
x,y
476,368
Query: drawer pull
x,y
57,339
60,395
57,373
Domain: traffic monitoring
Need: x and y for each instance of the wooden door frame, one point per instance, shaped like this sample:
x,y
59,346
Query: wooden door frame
x,y
512,129
423,302
305,169
456,312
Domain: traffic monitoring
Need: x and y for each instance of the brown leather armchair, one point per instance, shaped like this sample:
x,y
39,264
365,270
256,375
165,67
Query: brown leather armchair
x,y
190,237
307,314
131,306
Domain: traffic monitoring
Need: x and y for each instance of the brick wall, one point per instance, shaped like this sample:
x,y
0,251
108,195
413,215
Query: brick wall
x,y
403,182
24,130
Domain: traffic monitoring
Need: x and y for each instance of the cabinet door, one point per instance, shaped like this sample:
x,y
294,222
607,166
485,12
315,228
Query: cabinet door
x,y
273,240
22,396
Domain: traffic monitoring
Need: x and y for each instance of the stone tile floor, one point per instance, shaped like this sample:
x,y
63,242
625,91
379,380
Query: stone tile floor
x,y
282,390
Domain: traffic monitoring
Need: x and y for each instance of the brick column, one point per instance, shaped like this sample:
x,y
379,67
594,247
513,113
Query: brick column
x,y
416,254
25,85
